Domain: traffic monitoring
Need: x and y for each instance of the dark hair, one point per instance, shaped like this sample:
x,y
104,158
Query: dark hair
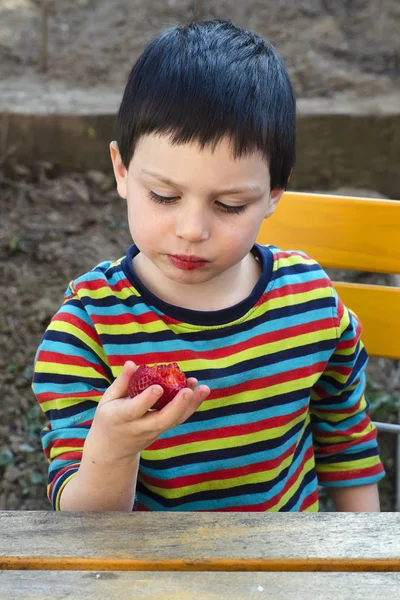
x,y
207,80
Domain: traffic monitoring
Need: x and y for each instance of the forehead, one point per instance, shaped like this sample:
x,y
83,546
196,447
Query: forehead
x,y
215,165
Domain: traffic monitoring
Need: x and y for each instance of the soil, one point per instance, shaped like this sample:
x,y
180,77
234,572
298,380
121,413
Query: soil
x,y
329,47
56,225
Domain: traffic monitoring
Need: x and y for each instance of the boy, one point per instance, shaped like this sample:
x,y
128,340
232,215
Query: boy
x,y
205,148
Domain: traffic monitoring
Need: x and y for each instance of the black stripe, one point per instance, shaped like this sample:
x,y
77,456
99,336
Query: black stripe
x,y
308,478
344,457
71,411
261,362
223,332
222,453
246,407
207,495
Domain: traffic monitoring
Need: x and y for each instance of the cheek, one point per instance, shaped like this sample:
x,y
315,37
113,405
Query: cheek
x,y
145,225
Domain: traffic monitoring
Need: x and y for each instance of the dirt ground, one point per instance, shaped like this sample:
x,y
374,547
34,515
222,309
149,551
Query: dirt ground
x,y
329,47
55,226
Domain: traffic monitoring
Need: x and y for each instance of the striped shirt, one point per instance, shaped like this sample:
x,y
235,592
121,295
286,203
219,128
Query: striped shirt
x,y
286,369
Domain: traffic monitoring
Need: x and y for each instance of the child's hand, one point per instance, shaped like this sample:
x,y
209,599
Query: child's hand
x,y
126,425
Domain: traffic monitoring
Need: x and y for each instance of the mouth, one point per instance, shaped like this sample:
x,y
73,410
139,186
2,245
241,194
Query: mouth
x,y
185,262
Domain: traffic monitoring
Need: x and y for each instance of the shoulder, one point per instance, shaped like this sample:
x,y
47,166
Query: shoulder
x,y
106,274
291,263
298,280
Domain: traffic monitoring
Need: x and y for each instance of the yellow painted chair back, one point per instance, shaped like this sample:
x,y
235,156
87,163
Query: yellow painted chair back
x,y
348,233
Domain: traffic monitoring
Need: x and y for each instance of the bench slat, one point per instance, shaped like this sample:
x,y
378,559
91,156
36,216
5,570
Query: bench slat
x,y
187,540
378,308
112,585
338,231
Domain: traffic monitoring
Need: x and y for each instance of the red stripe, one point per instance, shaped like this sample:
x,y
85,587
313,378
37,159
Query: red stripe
x,y
344,344
125,319
345,432
98,284
285,255
78,323
59,474
309,500
352,474
298,288
270,380
264,506
339,410
332,449
224,432
271,502
226,351
64,359
69,443
49,396
179,482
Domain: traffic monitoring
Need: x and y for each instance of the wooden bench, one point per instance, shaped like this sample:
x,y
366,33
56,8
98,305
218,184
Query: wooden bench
x,y
180,556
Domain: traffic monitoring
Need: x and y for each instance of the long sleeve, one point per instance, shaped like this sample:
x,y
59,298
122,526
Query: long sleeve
x,y
345,440
70,376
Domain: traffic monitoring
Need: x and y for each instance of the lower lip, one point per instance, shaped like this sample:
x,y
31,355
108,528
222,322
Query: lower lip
x,y
186,265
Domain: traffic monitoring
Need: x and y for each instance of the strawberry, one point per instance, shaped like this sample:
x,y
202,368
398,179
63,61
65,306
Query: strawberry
x,y
170,377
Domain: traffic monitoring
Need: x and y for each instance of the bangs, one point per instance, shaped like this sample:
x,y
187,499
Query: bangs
x,y
203,88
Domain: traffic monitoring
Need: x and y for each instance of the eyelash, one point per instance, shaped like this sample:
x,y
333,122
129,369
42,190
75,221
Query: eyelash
x,y
232,210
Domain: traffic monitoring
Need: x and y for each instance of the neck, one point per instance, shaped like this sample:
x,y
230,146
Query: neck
x,y
228,289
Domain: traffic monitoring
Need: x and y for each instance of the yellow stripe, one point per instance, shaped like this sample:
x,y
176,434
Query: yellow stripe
x,y
56,451
220,443
364,463
287,261
60,403
262,349
105,292
66,369
64,327
57,503
254,395
220,484
313,507
299,481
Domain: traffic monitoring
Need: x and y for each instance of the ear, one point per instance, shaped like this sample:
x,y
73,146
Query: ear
x,y
120,171
274,198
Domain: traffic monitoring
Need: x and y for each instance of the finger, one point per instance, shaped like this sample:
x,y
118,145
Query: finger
x,y
199,395
119,387
191,383
131,409
185,403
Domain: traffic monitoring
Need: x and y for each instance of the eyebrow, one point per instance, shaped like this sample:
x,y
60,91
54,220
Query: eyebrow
x,y
235,190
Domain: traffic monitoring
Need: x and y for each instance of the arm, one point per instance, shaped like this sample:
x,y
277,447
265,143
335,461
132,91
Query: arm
x,y
95,433
361,498
122,427
345,445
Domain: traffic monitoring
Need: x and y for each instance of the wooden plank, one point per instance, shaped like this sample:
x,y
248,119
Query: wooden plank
x,y
47,585
200,541
378,308
337,231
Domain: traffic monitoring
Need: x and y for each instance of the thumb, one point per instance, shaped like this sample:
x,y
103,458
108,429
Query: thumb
x,y
119,387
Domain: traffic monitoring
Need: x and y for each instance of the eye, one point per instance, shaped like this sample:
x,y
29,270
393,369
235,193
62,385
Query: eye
x,y
232,210
162,199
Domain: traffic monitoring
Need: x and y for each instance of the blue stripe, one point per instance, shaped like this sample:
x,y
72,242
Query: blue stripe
x,y
228,463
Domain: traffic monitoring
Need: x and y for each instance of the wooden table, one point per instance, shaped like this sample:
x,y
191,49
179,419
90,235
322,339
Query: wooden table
x,y
182,556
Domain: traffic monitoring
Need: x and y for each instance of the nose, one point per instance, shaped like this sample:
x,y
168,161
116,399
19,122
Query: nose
x,y
192,224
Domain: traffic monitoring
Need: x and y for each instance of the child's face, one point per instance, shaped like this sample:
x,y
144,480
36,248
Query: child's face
x,y
194,214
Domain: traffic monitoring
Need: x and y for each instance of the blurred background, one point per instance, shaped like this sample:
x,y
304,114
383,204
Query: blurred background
x,y
63,66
